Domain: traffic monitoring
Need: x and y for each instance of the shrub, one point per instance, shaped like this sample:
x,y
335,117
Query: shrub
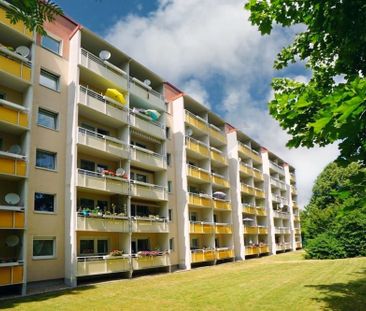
x,y
324,246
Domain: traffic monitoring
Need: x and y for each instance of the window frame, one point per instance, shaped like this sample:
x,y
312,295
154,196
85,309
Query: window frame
x,y
44,72
56,114
49,152
54,203
44,238
59,41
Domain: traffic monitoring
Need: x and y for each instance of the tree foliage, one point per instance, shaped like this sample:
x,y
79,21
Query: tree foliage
x,y
333,45
33,13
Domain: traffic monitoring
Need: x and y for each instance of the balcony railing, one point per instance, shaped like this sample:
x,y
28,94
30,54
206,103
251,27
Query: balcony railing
x,y
148,191
147,126
280,247
19,27
218,156
148,224
248,209
103,68
13,114
11,220
100,182
201,227
197,146
147,94
293,189
147,158
221,204
287,245
94,265
250,229
279,199
103,223
296,218
202,255
13,166
223,228
251,250
247,151
282,230
276,167
15,67
219,180
298,244
252,191
198,173
283,215
148,262
196,121
224,253
11,274
251,171
96,102
278,183
217,133
103,143
297,231
200,200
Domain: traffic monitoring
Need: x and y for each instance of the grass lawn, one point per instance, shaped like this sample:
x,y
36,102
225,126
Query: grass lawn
x,y
284,282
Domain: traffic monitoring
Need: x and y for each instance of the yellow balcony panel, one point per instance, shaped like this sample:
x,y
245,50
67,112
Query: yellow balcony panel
x,y
249,210
15,68
196,122
261,211
259,193
250,230
13,167
197,147
221,204
95,265
202,256
224,253
247,189
217,134
201,227
105,223
223,228
93,181
19,27
95,106
199,200
220,181
264,249
144,125
148,191
250,171
198,174
12,116
248,152
262,230
149,225
11,220
147,159
148,262
217,157
11,274
252,250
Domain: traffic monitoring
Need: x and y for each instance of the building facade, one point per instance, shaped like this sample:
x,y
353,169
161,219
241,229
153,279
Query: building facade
x,y
107,169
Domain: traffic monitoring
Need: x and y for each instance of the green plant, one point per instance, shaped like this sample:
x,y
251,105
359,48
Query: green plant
x,y
324,246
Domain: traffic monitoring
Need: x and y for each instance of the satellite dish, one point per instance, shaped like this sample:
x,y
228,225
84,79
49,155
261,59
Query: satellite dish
x,y
105,55
12,240
16,149
22,50
12,198
189,131
120,172
147,82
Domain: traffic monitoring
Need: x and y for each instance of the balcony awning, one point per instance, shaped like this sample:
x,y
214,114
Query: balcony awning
x,y
115,96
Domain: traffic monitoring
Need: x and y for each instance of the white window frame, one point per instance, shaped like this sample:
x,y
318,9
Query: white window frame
x,y
42,238
50,112
58,82
56,39
95,239
46,168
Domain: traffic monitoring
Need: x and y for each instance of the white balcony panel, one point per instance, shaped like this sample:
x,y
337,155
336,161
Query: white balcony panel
x,y
148,191
147,262
149,225
97,265
151,128
151,98
147,159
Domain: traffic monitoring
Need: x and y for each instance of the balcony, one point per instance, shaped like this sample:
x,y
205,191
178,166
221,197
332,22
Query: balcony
x,y
276,167
221,204
147,126
296,218
292,177
262,230
146,94
147,159
11,274
250,190
219,180
282,230
250,229
18,28
298,245
148,191
261,211
263,249
145,224
148,262
103,69
217,134
280,247
282,215
102,145
93,181
196,122
202,255
293,190
16,68
198,174
223,228
14,167
104,223
93,105
13,115
201,227
224,253
199,200
248,209
218,157
11,219
250,171
199,149
248,152
94,265
279,199
278,183
287,245
251,250
297,231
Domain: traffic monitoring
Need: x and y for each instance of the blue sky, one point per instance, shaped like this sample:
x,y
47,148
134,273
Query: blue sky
x,y
209,50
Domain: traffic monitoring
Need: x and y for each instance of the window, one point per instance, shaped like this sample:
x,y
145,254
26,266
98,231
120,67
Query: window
x,y
86,204
87,165
102,247
171,244
167,132
51,44
2,95
49,80
103,205
43,247
168,158
193,216
170,214
170,186
44,202
46,159
93,246
86,247
194,244
47,119
139,177
143,245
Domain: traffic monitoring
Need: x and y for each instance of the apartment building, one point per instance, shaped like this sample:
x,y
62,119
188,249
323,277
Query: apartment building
x,y
106,169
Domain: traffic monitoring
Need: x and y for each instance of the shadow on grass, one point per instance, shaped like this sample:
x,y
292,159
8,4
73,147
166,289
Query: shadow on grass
x,y
350,296
22,301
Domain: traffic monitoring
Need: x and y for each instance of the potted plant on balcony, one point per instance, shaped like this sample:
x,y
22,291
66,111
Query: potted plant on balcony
x,y
114,254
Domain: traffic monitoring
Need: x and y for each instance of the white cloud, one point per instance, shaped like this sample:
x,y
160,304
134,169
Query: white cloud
x,y
189,42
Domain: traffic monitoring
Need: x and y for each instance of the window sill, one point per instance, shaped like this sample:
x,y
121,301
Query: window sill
x,y
48,128
51,89
46,169
44,212
53,52
44,257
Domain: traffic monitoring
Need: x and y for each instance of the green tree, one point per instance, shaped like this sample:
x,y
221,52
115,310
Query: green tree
x,y
33,13
333,45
